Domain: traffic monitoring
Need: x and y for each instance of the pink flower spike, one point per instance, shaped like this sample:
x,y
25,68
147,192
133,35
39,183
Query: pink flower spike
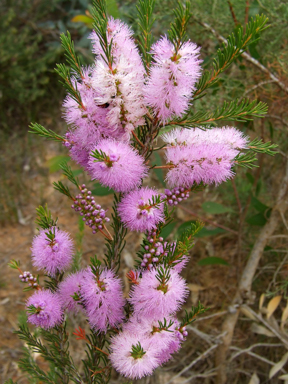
x,y
136,212
134,356
172,78
70,292
156,300
52,255
123,168
207,163
103,299
229,136
46,311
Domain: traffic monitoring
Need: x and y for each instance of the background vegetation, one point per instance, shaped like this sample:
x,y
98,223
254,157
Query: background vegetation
x,y
244,217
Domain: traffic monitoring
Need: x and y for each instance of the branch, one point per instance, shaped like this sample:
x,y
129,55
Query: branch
x,y
245,283
194,362
247,57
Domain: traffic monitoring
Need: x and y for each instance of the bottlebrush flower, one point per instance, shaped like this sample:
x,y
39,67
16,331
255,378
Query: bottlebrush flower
x,y
69,291
172,78
137,213
229,136
121,169
134,356
44,309
120,87
52,250
207,163
103,299
150,328
155,299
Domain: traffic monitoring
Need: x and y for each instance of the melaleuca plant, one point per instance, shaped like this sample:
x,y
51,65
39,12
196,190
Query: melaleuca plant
x,y
116,110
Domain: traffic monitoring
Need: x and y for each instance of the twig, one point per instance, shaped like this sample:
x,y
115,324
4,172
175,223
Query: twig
x,y
199,375
246,14
280,336
236,22
137,139
245,283
246,57
240,351
257,86
256,356
236,195
208,221
277,118
194,362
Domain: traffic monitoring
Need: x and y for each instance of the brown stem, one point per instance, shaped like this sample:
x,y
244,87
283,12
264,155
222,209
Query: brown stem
x,y
163,166
137,139
106,229
236,22
236,195
246,14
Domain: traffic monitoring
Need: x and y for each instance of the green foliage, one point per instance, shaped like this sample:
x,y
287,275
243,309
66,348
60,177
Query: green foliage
x,y
14,264
72,59
29,47
60,187
56,353
44,219
215,208
67,171
190,317
100,19
229,111
117,244
38,129
236,43
177,33
212,260
99,190
146,19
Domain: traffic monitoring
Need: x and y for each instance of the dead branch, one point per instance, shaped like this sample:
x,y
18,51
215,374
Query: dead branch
x,y
244,288
194,362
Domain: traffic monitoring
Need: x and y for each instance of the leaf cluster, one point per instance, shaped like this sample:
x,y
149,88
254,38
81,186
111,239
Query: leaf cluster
x,y
146,19
117,244
232,110
190,317
57,353
177,33
236,43
38,129
44,219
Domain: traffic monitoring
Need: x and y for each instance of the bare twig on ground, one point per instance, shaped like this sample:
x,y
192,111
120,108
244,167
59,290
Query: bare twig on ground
x,y
194,362
244,288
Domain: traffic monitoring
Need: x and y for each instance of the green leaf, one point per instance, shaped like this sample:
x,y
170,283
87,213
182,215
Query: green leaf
x,y
99,190
54,163
259,219
184,226
209,232
83,19
77,172
112,8
159,172
250,178
212,261
167,230
215,208
260,207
